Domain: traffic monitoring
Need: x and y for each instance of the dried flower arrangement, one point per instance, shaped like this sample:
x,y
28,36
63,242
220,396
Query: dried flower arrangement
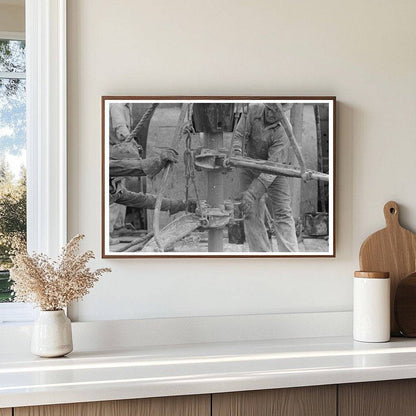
x,y
53,285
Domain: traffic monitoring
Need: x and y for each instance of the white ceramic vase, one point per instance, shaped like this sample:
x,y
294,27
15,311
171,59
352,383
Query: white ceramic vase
x,y
52,334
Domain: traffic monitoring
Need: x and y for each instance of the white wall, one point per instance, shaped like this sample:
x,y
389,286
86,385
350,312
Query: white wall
x,y
361,51
12,18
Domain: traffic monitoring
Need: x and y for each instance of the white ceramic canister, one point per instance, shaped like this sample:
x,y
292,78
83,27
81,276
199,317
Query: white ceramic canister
x,y
371,313
52,334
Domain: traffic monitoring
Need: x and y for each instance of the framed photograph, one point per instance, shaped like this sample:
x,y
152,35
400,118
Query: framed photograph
x,y
218,176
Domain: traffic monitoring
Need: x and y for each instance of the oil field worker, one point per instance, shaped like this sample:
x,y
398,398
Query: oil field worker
x,y
259,135
120,124
125,161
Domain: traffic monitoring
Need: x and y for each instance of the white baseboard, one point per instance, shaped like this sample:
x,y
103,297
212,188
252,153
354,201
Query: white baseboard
x,y
169,331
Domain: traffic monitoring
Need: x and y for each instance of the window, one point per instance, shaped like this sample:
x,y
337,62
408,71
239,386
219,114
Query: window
x,y
45,90
12,154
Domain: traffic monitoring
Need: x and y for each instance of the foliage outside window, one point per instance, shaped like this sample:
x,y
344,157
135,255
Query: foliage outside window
x,y
12,156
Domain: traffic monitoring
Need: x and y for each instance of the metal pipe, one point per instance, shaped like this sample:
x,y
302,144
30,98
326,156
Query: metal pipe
x,y
274,168
215,191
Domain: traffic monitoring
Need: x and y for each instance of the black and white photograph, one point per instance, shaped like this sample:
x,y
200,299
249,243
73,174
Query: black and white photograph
x,y
218,176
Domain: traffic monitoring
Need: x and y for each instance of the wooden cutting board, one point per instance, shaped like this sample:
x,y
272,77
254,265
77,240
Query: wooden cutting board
x,y
393,250
405,306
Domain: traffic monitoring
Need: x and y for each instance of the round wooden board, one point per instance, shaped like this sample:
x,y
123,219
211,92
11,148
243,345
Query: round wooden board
x,y
405,306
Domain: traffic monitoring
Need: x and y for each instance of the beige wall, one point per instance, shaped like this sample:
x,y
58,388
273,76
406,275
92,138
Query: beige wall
x,y
12,18
361,51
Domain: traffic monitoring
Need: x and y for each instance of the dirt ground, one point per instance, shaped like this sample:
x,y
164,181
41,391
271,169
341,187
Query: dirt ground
x,y
198,242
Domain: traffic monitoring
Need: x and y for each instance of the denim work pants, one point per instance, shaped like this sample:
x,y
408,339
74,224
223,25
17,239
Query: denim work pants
x,y
283,222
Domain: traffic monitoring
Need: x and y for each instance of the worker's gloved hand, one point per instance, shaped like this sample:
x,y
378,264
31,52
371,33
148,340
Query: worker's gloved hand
x,y
306,176
117,187
153,165
192,205
237,152
122,132
125,150
168,156
247,204
254,192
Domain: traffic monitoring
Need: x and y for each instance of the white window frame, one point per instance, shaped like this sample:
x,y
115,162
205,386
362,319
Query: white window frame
x,y
46,135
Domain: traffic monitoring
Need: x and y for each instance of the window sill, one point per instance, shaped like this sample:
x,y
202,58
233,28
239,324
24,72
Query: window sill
x,y
16,313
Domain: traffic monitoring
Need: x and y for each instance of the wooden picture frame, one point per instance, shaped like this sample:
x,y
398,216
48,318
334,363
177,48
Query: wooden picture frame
x,y
288,145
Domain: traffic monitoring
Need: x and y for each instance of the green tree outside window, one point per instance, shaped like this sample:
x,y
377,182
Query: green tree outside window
x,y
12,151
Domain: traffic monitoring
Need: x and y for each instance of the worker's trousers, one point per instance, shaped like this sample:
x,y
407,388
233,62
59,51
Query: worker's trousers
x,y
283,222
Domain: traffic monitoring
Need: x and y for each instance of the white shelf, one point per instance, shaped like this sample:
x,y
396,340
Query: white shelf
x,y
150,371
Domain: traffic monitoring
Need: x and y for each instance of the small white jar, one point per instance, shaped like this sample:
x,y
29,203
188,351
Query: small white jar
x,y
371,313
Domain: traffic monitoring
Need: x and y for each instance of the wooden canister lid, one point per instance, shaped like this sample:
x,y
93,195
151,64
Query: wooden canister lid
x,y
372,275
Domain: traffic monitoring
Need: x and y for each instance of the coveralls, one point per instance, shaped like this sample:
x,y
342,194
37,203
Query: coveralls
x,y
120,125
120,122
259,140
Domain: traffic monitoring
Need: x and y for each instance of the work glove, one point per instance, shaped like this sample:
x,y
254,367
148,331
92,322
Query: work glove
x,y
153,165
125,150
247,204
122,132
168,156
192,205
249,197
117,186
237,152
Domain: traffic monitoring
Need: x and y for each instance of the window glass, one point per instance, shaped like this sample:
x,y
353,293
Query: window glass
x,y
12,156
12,56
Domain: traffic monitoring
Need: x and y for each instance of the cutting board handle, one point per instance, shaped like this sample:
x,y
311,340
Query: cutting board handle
x,y
391,213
